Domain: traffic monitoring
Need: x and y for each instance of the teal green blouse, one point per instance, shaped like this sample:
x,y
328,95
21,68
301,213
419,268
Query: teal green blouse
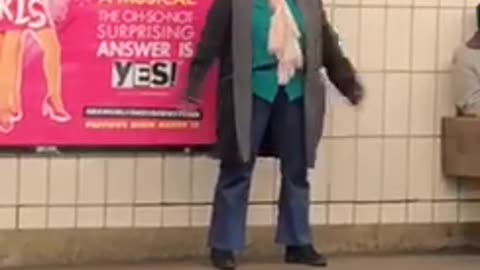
x,y
265,81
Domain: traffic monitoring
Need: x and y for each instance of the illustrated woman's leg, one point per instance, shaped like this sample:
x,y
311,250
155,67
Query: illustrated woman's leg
x,y
16,94
50,44
2,38
3,89
8,68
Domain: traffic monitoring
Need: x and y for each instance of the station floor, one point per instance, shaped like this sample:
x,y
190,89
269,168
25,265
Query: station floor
x,y
444,262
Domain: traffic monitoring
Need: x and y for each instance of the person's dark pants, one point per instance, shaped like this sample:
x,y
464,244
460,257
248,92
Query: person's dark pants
x,y
227,231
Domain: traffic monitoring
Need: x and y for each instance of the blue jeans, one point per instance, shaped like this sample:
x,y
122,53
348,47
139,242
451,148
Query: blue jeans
x,y
228,225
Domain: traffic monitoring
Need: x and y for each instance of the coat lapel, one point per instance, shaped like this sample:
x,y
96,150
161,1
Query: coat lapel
x,y
310,11
242,59
314,94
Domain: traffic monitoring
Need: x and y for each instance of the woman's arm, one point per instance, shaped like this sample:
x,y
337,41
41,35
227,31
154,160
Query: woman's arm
x,y
339,69
213,39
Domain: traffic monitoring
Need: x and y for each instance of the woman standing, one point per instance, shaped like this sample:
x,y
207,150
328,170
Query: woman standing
x,y
39,26
271,103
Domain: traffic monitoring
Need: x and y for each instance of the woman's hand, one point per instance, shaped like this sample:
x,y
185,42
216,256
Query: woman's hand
x,y
189,104
356,95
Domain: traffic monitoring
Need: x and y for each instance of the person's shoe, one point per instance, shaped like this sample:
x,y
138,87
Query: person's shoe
x,y
17,116
306,255
55,112
6,127
6,123
223,259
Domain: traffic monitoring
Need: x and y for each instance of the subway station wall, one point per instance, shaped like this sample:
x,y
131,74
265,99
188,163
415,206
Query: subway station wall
x,y
378,165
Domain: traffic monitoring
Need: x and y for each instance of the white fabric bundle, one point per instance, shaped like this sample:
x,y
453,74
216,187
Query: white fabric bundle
x,y
284,41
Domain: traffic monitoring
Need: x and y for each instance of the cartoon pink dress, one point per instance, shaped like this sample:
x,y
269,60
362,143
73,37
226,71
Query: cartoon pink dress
x,y
34,15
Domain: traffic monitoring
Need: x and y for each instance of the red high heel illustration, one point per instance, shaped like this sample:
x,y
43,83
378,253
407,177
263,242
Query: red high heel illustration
x,y
6,127
16,116
56,113
6,123
16,111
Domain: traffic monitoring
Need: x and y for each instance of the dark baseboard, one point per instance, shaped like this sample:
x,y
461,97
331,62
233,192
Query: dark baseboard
x,y
61,247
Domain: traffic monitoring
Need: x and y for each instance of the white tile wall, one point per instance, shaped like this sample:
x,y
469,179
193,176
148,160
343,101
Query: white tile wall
x,y
120,180
177,179
7,220
263,182
176,216
372,39
33,180
119,216
420,213
367,214
379,164
422,104
61,217
395,169
62,181
261,215
450,21
370,115
343,167
319,177
91,180
201,215
369,169
148,217
393,213
424,34
90,217
446,212
9,182
420,185
398,39
318,214
469,212
148,175
444,99
33,218
341,214
397,96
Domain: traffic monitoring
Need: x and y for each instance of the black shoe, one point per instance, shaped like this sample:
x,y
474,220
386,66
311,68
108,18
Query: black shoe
x,y
306,255
223,259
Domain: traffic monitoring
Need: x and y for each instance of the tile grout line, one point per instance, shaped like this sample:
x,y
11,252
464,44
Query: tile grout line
x,y
258,203
329,173
356,140
460,183
18,191
383,121
190,189
409,117
48,183
435,113
77,190
162,183
106,186
134,189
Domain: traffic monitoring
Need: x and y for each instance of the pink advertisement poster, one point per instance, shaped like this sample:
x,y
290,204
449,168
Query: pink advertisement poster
x,y
101,73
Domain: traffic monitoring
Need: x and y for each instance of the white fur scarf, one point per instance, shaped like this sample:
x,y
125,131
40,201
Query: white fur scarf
x,y
284,41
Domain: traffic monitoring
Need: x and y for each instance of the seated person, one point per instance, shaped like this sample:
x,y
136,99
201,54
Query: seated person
x,y
466,75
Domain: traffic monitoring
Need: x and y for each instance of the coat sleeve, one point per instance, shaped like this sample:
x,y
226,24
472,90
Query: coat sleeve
x,y
211,43
339,69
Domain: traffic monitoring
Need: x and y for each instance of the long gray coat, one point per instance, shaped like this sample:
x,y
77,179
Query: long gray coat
x,y
227,36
